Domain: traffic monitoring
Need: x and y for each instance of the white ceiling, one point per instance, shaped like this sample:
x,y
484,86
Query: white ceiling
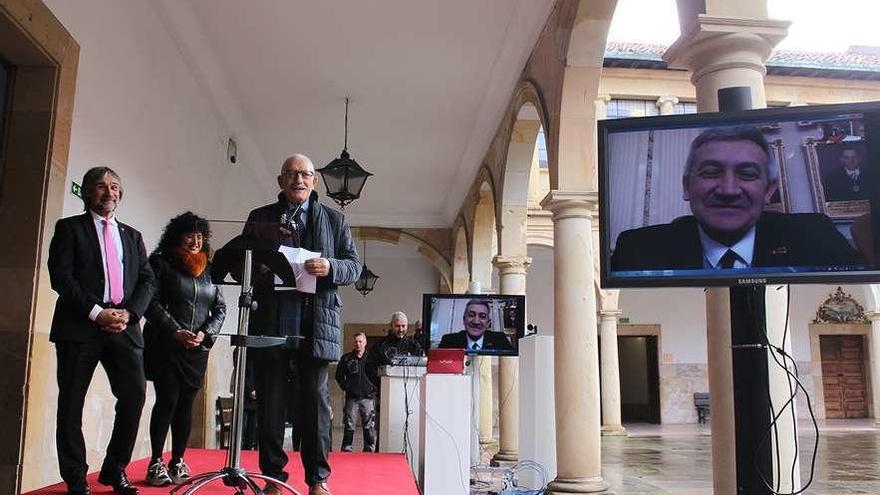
x,y
429,81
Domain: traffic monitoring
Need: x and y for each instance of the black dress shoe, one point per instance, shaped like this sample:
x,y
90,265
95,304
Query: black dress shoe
x,y
119,482
79,491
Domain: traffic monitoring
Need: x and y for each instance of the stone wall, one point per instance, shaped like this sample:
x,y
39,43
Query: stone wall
x,y
678,382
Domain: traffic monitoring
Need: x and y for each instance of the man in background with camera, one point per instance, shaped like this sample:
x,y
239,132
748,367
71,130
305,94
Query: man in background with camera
x,y
396,342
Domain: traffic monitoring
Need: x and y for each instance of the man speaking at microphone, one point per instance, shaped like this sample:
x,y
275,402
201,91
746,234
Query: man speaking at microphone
x,y
299,220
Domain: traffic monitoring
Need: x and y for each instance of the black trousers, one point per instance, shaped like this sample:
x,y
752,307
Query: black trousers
x,y
312,412
173,407
124,364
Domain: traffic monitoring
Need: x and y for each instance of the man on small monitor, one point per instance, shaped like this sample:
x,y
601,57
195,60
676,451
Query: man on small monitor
x,y
846,183
476,335
728,178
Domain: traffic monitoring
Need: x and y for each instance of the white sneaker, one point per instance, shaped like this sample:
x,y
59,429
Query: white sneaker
x,y
178,472
157,475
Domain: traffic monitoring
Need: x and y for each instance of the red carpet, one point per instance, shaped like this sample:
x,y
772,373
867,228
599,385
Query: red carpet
x,y
353,473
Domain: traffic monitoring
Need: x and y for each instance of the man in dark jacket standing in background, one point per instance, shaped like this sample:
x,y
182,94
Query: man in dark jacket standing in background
x,y
358,382
396,342
298,220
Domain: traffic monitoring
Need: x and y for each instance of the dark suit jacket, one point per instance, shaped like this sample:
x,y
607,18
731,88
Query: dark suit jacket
x,y
77,275
839,187
796,239
491,341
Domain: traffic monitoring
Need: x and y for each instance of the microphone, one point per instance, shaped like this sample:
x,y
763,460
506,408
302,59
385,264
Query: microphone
x,y
288,218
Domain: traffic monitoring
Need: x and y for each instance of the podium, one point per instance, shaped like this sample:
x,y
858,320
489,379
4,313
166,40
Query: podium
x,y
446,434
537,417
399,406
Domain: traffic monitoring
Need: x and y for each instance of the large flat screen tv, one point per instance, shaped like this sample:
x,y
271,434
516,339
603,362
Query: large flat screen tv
x,y
781,195
480,324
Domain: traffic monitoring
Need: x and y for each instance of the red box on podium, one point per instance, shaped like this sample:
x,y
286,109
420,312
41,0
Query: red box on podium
x,y
448,361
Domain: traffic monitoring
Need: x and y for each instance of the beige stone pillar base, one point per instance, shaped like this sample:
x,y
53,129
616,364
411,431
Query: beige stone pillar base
x,y
504,460
614,431
577,485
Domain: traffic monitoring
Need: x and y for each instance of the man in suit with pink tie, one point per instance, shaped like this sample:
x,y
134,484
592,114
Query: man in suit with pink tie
x,y
98,266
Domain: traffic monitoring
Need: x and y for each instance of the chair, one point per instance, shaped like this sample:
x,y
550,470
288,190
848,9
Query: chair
x,y
224,420
701,402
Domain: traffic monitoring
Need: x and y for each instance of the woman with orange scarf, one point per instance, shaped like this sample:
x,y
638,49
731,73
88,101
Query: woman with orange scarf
x,y
186,311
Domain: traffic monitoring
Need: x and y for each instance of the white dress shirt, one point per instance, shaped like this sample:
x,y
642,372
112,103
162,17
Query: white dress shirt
x,y
714,250
471,342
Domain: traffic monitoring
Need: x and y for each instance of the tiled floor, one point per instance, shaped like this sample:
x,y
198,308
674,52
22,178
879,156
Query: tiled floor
x,y
677,459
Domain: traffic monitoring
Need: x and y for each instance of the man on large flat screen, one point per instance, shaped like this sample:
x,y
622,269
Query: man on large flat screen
x,y
728,178
476,336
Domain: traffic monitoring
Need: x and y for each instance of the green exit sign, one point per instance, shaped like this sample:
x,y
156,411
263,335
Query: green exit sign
x,y
623,320
76,189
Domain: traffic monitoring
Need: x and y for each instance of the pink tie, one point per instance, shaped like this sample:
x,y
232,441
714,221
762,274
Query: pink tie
x,y
116,290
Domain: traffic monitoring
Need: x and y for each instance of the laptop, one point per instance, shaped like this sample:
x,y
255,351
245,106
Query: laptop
x,y
449,361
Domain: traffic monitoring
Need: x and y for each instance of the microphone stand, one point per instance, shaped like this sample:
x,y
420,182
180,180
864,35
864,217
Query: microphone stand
x,y
233,475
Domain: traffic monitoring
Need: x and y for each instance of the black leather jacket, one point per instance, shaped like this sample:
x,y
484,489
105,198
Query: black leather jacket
x,y
183,301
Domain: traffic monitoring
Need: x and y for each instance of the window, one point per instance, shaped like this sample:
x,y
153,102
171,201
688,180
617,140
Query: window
x,y
686,107
542,149
619,109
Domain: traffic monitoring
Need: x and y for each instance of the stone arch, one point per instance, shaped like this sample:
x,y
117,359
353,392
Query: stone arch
x,y
572,134
403,238
461,272
528,118
484,235
540,238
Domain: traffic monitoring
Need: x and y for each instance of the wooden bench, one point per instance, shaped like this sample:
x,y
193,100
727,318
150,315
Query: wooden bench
x,y
701,402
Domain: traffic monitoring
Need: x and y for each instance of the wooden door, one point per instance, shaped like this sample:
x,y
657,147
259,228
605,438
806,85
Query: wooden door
x,y
843,376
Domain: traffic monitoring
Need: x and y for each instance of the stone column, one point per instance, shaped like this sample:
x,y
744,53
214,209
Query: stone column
x,y
720,364
874,342
666,104
483,365
576,375
724,52
512,280
610,365
781,388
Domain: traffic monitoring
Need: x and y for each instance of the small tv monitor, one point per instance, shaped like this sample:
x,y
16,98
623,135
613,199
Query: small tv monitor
x,y
779,195
485,324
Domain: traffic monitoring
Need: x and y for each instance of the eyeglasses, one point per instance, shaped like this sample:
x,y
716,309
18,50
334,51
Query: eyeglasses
x,y
292,174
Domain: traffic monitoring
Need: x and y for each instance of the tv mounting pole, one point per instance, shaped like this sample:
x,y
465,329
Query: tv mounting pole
x,y
748,321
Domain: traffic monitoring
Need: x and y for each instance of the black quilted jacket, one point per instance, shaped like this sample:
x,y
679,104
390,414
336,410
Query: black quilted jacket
x,y
328,233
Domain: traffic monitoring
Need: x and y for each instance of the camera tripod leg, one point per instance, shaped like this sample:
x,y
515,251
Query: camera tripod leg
x,y
203,480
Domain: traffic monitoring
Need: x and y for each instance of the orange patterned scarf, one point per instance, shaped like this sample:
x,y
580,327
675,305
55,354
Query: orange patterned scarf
x,y
192,263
